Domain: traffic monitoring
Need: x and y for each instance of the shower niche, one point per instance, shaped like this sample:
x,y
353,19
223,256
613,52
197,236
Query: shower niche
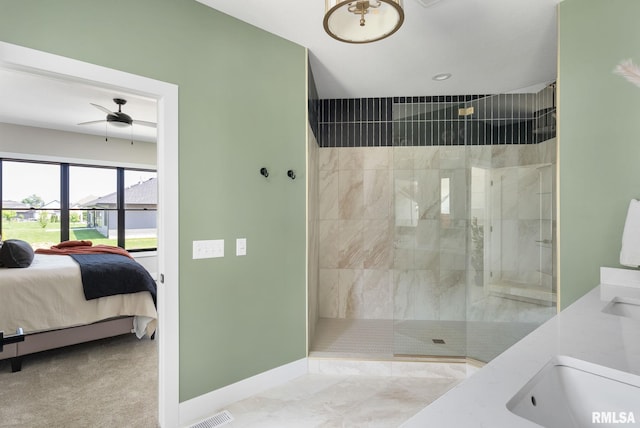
x,y
520,242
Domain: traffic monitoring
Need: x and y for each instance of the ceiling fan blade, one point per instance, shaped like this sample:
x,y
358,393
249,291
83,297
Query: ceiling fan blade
x,y
144,123
91,122
106,110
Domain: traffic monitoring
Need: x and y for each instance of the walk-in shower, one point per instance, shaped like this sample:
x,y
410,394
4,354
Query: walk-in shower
x,y
436,224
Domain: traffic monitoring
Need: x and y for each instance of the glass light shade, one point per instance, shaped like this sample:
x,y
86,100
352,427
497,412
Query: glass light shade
x,y
120,124
381,19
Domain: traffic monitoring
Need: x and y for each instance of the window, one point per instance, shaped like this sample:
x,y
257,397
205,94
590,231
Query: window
x,y
93,211
45,203
140,209
31,203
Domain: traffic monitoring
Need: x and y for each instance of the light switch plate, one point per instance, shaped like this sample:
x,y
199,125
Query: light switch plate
x,y
208,249
241,247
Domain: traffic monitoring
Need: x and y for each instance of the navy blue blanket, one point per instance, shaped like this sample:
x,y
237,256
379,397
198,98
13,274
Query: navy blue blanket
x,y
110,274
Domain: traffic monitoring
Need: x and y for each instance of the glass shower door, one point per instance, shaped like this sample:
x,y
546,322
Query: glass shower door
x,y
430,224
430,252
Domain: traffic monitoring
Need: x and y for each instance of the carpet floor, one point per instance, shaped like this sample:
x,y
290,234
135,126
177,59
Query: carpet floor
x,y
107,383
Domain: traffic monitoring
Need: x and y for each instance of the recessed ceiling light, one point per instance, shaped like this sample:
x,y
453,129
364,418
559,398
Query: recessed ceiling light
x,y
442,76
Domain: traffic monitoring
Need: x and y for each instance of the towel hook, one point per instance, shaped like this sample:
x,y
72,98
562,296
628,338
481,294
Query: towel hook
x,y
291,174
264,172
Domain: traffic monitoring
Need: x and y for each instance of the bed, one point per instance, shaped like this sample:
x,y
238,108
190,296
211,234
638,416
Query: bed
x,y
48,300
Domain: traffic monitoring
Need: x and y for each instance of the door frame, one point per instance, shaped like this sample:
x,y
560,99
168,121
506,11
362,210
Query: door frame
x,y
29,60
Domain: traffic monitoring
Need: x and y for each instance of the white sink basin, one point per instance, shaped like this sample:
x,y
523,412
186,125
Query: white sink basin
x,y
568,392
624,307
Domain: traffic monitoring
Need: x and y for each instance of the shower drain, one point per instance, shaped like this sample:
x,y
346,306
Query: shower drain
x,y
438,341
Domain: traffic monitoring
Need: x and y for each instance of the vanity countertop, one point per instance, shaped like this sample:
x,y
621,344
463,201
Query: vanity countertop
x,y
581,331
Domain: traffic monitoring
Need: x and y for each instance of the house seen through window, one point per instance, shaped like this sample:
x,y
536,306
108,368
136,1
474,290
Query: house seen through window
x,y
45,203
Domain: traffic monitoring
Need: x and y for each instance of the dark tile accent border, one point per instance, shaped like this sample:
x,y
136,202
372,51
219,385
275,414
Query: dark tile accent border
x,y
361,122
437,120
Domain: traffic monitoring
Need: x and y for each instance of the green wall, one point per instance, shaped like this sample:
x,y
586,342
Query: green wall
x,y
599,137
242,106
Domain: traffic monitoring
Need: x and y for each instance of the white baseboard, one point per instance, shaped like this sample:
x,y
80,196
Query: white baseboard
x,y
199,408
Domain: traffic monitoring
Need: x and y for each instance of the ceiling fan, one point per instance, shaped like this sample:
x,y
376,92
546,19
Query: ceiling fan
x,y
118,118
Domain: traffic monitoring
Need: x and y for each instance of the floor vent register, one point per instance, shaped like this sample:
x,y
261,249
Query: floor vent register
x,y
215,421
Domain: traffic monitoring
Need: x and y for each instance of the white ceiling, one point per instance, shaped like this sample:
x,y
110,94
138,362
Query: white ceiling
x,y
489,46
51,102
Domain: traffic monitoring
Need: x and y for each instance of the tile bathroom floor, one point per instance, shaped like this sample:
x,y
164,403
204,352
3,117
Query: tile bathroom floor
x,y
320,400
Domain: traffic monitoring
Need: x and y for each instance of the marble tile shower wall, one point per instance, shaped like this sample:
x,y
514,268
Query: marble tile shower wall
x,y
313,241
386,249
355,194
379,260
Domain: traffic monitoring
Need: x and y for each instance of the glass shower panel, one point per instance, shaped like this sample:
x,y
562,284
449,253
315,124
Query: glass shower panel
x,y
429,271
474,265
430,223
521,233
515,293
480,222
430,206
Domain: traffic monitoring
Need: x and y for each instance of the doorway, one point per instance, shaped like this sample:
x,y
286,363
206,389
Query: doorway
x,y
15,57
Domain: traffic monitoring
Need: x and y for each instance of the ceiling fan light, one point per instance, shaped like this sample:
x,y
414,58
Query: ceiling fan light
x,y
118,118
119,124
362,21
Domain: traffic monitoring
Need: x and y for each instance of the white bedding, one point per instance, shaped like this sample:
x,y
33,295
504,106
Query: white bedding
x,y
48,295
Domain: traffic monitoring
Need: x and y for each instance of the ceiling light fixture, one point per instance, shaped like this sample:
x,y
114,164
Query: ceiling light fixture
x,y
377,19
442,76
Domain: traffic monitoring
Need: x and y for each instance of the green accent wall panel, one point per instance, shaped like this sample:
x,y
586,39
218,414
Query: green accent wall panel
x,y
599,137
243,99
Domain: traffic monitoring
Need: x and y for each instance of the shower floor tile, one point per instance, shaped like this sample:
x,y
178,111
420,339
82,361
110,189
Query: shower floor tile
x,y
416,337
386,339
354,338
